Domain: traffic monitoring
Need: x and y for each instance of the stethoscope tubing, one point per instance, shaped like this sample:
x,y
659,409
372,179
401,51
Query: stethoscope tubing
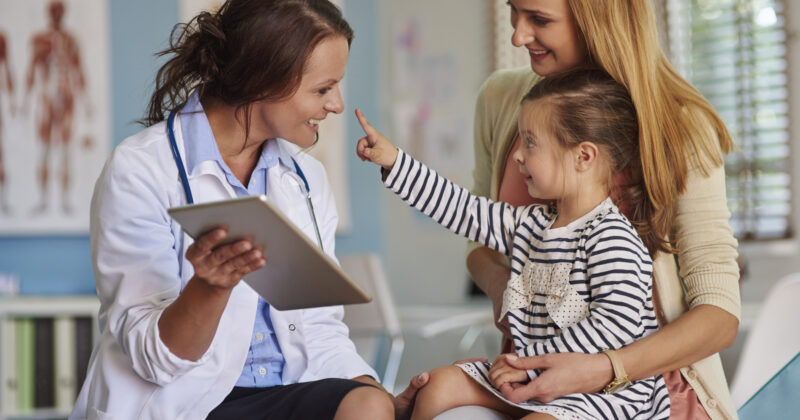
x,y
187,189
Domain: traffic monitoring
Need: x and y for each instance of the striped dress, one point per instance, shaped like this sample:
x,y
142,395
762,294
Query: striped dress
x,y
585,287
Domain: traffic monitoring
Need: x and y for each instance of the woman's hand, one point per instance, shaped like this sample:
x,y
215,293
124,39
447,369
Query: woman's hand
x,y
503,373
222,266
560,374
374,147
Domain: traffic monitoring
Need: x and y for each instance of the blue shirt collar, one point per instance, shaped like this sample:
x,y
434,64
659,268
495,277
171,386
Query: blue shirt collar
x,y
200,145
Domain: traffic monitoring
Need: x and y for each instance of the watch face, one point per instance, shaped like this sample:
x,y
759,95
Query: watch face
x,y
617,386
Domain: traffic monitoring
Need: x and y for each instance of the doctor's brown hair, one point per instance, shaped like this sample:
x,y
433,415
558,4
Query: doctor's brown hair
x,y
248,51
588,105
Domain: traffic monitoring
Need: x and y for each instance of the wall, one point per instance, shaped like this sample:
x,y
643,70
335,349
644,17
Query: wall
x,y
62,264
428,95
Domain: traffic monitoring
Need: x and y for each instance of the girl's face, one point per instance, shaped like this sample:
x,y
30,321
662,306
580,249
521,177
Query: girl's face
x,y
297,118
548,30
540,156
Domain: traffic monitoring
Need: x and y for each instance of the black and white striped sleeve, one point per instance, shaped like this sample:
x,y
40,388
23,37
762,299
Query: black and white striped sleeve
x,y
619,272
452,206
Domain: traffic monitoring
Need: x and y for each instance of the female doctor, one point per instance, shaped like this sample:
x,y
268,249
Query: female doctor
x,y
182,338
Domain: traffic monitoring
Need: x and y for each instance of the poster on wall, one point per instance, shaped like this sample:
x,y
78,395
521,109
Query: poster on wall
x,y
54,113
332,149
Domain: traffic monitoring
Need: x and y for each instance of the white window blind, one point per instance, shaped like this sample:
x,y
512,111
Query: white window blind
x,y
734,52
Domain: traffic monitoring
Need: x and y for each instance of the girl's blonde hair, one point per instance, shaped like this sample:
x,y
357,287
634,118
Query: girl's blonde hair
x,y
678,127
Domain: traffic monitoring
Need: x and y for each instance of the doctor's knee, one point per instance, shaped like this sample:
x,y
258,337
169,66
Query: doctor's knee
x,y
366,402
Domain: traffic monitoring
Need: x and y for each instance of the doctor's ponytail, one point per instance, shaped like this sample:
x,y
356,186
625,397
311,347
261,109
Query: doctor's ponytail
x,y
247,51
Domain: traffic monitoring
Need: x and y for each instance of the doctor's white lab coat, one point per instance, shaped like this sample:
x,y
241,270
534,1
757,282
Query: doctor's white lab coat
x,y
140,268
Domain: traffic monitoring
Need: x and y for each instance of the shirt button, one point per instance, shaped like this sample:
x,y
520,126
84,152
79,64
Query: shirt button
x,y
259,336
292,327
712,403
262,371
692,374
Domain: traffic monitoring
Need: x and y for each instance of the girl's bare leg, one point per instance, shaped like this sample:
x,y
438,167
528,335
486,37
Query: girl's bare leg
x,y
449,387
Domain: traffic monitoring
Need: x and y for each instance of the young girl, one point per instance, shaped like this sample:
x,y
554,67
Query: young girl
x,y
580,274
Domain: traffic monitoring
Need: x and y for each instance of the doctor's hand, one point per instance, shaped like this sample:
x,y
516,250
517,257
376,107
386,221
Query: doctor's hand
x,y
374,147
222,266
404,401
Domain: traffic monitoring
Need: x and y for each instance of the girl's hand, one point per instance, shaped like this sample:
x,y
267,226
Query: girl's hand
x,y
222,266
502,373
374,147
561,374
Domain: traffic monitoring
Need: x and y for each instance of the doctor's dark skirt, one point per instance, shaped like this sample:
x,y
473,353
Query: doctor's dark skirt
x,y
307,400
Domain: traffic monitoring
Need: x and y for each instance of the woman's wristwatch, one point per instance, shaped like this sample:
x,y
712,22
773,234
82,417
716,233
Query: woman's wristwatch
x,y
620,380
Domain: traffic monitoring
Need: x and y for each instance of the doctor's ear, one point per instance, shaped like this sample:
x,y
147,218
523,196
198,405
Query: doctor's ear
x,y
585,155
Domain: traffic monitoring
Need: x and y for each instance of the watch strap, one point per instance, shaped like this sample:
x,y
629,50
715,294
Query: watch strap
x,y
616,364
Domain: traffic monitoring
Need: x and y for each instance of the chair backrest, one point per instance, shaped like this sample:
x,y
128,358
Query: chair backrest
x,y
375,326
778,398
772,341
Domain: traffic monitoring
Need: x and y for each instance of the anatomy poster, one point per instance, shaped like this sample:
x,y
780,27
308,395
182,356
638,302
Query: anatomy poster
x,y
54,113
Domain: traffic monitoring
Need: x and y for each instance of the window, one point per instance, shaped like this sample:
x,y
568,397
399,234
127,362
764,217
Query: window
x,y
734,52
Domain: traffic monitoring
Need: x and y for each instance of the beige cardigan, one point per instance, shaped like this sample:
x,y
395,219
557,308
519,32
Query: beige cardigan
x,y
707,249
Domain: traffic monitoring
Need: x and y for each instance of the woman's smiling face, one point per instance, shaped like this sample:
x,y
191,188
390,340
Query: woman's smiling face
x,y
548,30
296,119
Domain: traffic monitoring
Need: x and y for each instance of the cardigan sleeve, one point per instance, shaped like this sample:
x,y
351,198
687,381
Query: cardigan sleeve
x,y
705,242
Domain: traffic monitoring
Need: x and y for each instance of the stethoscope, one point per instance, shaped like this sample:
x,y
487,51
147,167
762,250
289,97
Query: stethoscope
x,y
298,177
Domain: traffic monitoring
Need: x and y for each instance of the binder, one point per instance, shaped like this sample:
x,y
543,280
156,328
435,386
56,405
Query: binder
x,y
83,347
25,363
8,365
44,364
65,359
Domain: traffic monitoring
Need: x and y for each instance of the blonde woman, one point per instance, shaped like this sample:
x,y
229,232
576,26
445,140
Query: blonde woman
x,y
682,142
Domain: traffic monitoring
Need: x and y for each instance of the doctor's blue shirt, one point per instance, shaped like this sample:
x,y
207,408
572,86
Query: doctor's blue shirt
x,y
264,363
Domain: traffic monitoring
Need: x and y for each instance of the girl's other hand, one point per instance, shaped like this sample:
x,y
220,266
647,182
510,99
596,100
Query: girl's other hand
x,y
502,373
222,266
374,147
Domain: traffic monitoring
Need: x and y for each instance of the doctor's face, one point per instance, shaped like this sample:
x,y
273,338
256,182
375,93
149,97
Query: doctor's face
x,y
297,118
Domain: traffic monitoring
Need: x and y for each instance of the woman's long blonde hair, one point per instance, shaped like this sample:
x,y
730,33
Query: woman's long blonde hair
x,y
678,127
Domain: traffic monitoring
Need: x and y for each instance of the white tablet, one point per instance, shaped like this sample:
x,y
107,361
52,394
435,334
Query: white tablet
x,y
297,275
